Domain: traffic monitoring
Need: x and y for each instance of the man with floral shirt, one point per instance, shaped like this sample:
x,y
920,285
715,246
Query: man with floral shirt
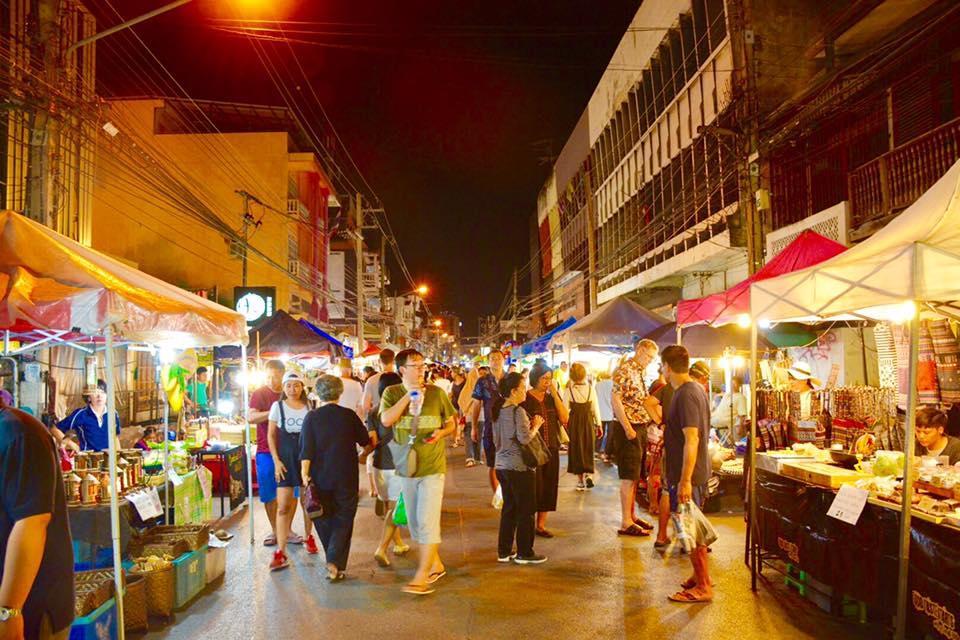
x,y
630,407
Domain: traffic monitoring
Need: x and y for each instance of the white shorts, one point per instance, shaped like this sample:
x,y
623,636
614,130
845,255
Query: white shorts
x,y
388,484
423,500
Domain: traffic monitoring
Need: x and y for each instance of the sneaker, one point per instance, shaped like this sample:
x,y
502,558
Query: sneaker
x,y
471,462
280,561
311,545
581,486
589,482
506,558
534,559
294,538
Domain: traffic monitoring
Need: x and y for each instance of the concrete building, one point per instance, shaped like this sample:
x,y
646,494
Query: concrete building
x,y
185,221
650,193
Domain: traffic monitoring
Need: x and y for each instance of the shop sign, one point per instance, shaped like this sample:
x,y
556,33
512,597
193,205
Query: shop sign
x,y
255,303
237,470
943,621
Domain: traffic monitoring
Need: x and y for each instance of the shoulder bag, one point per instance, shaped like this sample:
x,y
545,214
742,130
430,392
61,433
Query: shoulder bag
x,y
318,504
406,462
535,452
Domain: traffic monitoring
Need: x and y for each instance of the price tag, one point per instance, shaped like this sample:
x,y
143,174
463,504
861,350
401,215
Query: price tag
x,y
147,503
849,503
175,478
205,477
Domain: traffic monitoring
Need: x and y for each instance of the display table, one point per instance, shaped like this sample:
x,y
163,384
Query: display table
x,y
860,561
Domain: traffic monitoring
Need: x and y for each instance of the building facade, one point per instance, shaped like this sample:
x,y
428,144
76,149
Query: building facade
x,y
833,117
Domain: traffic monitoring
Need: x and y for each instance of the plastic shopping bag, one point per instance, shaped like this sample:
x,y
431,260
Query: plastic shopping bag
x,y
400,513
692,527
497,502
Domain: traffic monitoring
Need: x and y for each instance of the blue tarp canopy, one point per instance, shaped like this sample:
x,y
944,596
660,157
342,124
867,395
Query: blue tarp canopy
x,y
346,351
540,345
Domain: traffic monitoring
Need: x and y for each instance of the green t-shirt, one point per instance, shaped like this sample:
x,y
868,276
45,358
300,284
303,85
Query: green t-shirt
x,y
437,409
198,392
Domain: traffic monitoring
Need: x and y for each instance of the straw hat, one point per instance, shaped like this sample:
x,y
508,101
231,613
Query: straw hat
x,y
802,371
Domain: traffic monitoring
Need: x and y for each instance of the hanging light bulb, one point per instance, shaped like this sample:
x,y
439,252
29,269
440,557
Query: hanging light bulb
x,y
743,320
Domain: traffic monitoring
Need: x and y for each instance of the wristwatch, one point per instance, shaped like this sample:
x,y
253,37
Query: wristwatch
x,y
8,612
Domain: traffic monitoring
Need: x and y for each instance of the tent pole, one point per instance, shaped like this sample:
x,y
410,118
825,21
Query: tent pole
x,y
752,486
905,506
244,398
679,334
114,498
167,486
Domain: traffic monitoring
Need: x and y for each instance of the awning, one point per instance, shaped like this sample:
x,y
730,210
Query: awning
x,y
809,248
340,349
617,322
281,335
371,350
541,343
53,283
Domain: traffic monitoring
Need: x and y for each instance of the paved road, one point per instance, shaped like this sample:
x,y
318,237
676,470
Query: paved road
x,y
595,585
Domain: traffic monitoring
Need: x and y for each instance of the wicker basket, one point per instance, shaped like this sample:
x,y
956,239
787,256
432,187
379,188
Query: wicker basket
x,y
92,588
160,591
153,546
135,604
196,535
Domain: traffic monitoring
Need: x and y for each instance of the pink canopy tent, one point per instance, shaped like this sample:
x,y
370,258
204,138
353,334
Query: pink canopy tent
x,y
808,249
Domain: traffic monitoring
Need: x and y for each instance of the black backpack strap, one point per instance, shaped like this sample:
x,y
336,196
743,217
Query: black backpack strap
x,y
283,417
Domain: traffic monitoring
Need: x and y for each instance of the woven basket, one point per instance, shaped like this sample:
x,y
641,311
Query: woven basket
x,y
196,535
150,546
135,604
160,591
92,588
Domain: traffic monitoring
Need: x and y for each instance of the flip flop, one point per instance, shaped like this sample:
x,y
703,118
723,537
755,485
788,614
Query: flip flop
x,y
643,524
685,597
436,576
382,560
633,530
417,590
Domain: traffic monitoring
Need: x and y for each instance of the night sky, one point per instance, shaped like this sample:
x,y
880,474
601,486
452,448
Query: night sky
x,y
446,106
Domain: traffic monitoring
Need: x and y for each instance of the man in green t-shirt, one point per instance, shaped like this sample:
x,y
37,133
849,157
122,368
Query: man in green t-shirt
x,y
197,393
427,410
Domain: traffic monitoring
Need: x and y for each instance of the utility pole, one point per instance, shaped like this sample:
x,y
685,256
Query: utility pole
x,y
515,305
358,205
383,287
245,233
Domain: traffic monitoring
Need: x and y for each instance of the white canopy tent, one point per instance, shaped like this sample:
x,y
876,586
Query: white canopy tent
x,y
57,291
909,268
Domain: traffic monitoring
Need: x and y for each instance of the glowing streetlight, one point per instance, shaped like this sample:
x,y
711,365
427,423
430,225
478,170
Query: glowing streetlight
x,y
438,322
422,290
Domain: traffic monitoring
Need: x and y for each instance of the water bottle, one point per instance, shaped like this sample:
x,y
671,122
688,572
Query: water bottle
x,y
684,537
416,402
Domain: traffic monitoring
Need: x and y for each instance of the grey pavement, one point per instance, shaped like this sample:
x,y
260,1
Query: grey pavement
x,y
595,584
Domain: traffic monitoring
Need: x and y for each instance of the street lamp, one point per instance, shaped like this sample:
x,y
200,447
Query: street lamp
x,y
422,290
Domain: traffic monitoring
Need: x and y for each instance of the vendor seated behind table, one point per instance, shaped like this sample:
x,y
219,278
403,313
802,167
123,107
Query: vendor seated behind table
x,y
150,434
932,437
89,422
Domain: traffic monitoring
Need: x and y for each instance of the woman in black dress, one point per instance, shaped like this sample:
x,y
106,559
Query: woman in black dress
x,y
545,400
582,426
328,458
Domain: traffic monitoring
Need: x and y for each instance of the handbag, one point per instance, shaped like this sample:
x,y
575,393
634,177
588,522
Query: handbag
x,y
406,462
535,452
318,504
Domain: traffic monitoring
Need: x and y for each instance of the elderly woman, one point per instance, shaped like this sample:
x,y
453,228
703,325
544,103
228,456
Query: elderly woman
x,y
328,459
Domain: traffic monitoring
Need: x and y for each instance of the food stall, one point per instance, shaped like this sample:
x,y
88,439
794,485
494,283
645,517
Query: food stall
x,y
906,275
59,292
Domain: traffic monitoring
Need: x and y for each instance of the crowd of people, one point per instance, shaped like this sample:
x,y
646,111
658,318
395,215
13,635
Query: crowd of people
x,y
516,423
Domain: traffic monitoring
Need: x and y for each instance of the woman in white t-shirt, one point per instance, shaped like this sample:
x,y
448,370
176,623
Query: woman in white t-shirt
x,y
285,422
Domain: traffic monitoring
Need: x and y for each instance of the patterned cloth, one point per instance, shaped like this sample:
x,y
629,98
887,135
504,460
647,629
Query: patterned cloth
x,y
628,382
927,385
192,500
947,356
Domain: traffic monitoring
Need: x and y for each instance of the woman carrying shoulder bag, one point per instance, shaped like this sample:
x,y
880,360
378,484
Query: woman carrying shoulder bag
x,y
513,429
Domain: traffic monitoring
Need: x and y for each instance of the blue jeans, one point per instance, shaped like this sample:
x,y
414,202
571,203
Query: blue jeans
x,y
473,448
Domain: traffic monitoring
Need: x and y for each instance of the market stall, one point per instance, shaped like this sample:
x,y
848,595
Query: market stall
x,y
905,274
57,291
541,344
338,349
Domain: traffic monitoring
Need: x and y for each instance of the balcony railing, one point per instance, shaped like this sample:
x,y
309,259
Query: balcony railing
x,y
297,208
894,180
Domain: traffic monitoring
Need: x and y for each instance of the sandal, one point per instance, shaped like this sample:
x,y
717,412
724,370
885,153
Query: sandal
x,y
436,576
270,540
685,597
633,530
382,560
643,524
688,584
417,589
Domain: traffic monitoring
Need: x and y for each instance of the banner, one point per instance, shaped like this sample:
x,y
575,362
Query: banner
x,y
237,470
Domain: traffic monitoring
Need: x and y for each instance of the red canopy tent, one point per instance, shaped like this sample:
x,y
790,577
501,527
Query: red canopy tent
x,y
808,249
372,350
